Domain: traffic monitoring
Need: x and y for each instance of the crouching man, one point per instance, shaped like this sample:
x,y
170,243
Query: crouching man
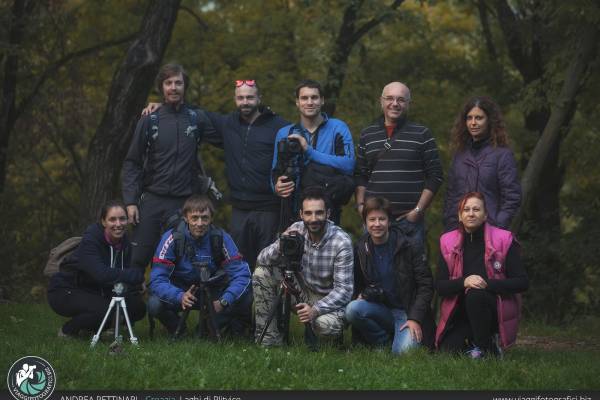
x,y
393,283
325,279
194,255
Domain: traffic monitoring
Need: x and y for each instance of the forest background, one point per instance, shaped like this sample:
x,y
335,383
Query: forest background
x,y
75,75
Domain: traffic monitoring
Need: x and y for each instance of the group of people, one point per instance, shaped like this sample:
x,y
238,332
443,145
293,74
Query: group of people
x,y
279,173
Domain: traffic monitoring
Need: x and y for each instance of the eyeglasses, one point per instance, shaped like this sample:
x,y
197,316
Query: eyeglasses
x,y
245,82
392,99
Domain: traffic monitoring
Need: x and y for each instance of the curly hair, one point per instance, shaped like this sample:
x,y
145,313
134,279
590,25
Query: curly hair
x,y
460,136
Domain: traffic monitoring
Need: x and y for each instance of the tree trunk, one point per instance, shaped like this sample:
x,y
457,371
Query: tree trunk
x,y
20,11
128,92
347,37
560,113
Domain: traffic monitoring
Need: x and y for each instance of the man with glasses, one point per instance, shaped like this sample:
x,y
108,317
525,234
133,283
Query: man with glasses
x,y
327,152
398,159
248,135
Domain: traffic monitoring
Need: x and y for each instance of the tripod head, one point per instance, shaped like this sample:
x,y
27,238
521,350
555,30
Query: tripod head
x,y
206,277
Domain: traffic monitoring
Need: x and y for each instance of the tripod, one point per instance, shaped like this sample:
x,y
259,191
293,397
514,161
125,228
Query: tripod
x,y
207,322
119,302
282,306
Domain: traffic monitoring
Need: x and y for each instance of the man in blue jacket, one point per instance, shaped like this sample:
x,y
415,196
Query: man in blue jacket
x,y
175,274
324,142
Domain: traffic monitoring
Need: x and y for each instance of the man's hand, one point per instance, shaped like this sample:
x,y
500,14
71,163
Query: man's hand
x,y
301,140
306,313
284,186
188,298
475,282
217,306
413,216
150,108
415,330
133,215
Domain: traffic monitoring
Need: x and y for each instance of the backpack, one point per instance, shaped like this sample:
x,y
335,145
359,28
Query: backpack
x,y
203,184
59,254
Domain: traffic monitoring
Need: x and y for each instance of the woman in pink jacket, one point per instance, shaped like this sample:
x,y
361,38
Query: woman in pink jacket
x,y
479,277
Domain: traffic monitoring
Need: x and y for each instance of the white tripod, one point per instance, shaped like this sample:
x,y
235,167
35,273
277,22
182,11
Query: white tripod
x,y
119,301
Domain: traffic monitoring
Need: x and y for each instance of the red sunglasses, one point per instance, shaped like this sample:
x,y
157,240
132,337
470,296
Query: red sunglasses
x,y
245,82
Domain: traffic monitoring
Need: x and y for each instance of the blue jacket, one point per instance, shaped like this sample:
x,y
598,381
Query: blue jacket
x,y
249,156
171,278
325,150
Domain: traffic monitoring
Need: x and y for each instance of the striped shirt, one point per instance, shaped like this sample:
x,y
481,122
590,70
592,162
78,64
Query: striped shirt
x,y
401,173
327,266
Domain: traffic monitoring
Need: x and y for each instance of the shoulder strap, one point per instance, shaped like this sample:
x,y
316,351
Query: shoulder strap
x,y
217,246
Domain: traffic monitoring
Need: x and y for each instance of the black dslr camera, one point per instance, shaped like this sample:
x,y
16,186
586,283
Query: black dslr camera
x,y
289,147
206,278
374,294
291,246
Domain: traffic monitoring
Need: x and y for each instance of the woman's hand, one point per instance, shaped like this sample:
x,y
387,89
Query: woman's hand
x,y
150,108
475,282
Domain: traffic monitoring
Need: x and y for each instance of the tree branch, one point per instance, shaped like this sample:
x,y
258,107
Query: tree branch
x,y
203,25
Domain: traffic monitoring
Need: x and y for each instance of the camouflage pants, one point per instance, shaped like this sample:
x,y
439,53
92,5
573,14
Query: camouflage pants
x,y
265,283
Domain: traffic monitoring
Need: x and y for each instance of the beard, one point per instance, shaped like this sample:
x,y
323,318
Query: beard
x,y
247,110
316,228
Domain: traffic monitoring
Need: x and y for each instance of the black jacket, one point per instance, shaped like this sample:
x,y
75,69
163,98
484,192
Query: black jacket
x,y
89,267
249,156
412,274
171,168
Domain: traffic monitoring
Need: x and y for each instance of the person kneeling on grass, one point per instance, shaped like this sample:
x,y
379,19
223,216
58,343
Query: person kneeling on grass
x,y
178,269
479,277
393,284
82,290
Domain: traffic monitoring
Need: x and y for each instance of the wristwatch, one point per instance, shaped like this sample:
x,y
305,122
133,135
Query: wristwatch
x,y
418,210
224,303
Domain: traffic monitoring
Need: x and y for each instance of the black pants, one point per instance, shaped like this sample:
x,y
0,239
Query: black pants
x,y
252,231
154,210
475,321
87,310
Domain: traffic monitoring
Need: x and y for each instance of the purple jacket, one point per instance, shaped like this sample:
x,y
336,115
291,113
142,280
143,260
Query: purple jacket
x,y
492,171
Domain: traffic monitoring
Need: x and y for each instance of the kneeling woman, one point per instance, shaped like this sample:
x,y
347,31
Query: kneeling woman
x,y
480,273
393,284
82,290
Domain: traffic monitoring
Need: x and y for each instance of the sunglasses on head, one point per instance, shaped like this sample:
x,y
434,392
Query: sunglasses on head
x,y
245,82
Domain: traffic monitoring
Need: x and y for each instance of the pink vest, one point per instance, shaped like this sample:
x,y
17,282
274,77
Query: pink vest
x,y
497,243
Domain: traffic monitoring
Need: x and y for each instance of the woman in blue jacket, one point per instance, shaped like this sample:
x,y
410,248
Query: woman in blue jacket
x,y
483,163
82,290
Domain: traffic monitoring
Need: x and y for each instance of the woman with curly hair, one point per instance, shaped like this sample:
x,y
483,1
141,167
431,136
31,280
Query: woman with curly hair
x,y
483,163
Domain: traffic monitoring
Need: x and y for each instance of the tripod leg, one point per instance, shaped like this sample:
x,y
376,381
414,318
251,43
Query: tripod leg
x,y
212,315
96,337
118,338
181,323
132,338
272,313
284,317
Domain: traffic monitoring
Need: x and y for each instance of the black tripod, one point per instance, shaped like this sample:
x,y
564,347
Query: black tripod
x,y
282,306
207,322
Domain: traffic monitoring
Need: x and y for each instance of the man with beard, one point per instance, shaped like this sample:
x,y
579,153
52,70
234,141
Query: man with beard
x,y
325,280
161,167
398,159
248,136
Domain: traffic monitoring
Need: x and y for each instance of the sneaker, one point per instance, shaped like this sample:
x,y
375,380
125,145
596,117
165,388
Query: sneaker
x,y
63,335
475,353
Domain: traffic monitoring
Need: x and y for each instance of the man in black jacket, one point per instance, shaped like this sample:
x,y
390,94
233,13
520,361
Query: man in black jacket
x,y
161,168
393,285
248,136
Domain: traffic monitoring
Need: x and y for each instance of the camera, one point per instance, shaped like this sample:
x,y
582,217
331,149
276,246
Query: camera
x,y
291,246
206,276
119,289
374,294
289,147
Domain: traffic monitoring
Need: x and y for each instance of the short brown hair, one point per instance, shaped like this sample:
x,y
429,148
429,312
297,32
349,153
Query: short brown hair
x,y
311,84
198,202
376,204
167,71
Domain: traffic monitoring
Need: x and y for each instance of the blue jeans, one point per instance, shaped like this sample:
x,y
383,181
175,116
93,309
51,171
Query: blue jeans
x,y
379,324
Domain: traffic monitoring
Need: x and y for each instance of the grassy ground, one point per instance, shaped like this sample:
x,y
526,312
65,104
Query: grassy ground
x,y
30,329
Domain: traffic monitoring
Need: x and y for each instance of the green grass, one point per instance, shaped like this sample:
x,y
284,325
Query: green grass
x,y
30,329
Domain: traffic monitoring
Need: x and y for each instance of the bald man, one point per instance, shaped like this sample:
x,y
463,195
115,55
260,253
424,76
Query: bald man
x,y
398,159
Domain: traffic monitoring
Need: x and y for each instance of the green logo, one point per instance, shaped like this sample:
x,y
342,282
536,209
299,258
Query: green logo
x,y
31,378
